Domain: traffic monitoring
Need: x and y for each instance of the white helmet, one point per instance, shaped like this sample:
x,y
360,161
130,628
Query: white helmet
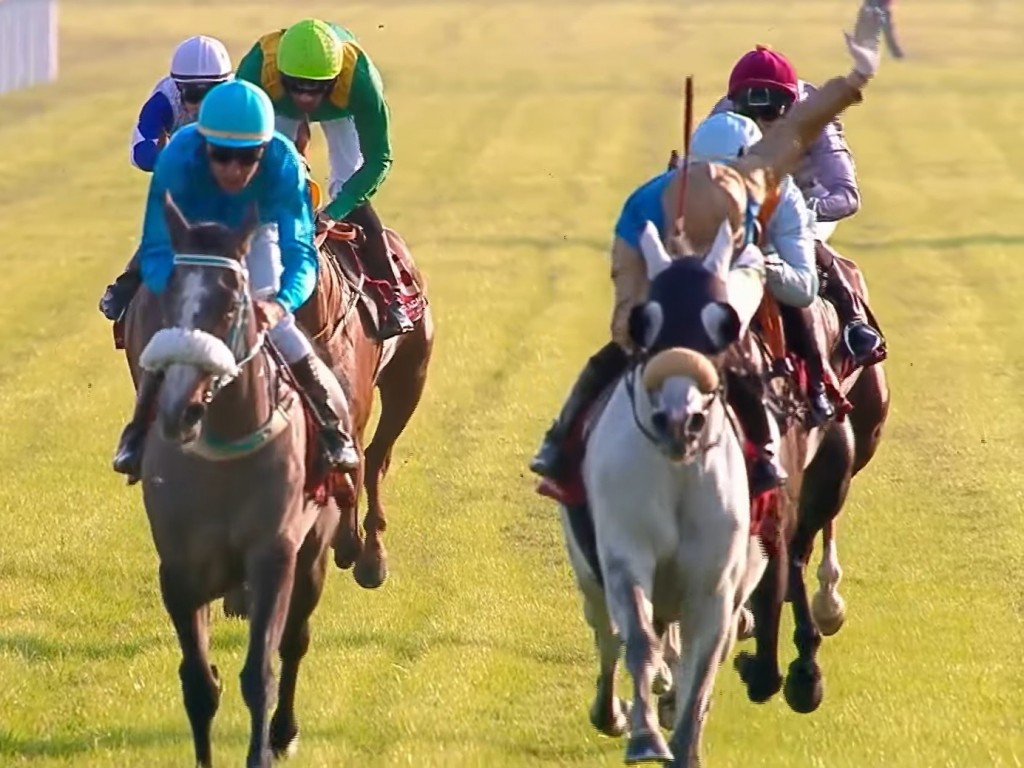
x,y
723,136
201,59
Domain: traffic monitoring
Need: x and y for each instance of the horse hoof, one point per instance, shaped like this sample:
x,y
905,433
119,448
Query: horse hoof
x,y
370,574
648,747
347,550
804,689
284,737
745,624
829,613
613,722
761,685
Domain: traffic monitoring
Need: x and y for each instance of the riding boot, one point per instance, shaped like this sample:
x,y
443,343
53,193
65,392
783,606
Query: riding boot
x,y
119,294
864,344
338,444
601,370
128,456
800,337
767,472
377,262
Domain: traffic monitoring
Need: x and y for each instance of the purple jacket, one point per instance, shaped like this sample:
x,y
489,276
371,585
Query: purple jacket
x,y
827,175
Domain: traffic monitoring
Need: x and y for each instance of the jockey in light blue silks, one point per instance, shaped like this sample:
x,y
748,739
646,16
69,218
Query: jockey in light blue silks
x,y
790,273
215,170
198,64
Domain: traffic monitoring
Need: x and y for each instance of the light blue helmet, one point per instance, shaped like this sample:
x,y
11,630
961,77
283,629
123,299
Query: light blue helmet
x,y
723,136
236,114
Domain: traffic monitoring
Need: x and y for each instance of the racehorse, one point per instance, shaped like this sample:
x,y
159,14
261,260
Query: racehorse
x,y
661,532
232,480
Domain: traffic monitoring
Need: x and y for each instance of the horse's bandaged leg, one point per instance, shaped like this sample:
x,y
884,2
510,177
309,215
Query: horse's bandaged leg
x,y
290,340
745,288
343,152
264,263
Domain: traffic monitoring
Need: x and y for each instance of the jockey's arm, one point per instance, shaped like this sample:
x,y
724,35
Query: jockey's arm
x,y
792,277
156,119
292,209
836,194
372,122
156,255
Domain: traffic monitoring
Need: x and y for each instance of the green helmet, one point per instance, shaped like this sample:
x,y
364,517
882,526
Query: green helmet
x,y
310,50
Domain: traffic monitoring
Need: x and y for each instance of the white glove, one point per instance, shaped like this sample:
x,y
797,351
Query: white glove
x,y
865,43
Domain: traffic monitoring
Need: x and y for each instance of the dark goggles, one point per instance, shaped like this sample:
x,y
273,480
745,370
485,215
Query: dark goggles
x,y
302,87
763,103
193,93
244,156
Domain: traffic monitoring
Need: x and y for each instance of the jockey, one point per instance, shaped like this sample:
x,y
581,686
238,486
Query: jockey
x,y
215,169
715,192
197,65
791,276
763,85
316,72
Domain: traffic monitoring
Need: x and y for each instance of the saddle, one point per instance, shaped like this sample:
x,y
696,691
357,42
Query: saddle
x,y
338,252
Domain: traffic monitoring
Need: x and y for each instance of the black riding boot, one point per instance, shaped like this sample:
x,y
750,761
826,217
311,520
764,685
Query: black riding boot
x,y
377,262
800,338
128,457
863,343
119,293
601,370
338,445
766,472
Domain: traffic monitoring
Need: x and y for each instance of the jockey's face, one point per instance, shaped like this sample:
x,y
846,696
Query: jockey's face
x,y
307,95
233,167
192,95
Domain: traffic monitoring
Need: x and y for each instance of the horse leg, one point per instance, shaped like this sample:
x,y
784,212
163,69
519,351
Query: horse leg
x,y
760,670
200,684
270,573
607,713
348,541
828,608
401,386
825,485
708,620
310,572
870,399
664,685
630,605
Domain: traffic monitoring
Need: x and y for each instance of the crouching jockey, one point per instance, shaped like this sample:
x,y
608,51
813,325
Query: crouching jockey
x,y
315,72
715,192
763,85
197,65
215,170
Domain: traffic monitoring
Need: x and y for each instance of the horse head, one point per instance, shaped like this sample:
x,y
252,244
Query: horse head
x,y
209,330
697,308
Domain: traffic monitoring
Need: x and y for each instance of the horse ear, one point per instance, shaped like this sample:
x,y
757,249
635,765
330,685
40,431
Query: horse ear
x,y
249,226
655,256
719,258
177,225
645,323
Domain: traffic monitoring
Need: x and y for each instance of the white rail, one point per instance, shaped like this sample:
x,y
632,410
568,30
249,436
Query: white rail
x,y
29,43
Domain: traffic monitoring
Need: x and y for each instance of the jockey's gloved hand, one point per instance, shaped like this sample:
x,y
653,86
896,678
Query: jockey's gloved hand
x,y
865,42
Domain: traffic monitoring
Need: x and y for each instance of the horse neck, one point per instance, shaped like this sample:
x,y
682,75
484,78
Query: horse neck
x,y
245,404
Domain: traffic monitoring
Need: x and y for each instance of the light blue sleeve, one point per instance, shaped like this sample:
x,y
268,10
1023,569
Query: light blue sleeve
x,y
792,277
156,256
292,209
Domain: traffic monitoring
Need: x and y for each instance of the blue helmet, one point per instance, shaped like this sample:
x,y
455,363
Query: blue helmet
x,y
236,114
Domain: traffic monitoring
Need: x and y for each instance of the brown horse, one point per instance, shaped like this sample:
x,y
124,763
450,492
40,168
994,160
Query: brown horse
x,y
820,463
226,479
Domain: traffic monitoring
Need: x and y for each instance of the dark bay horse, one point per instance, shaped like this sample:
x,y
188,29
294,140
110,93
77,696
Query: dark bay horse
x,y
226,481
821,464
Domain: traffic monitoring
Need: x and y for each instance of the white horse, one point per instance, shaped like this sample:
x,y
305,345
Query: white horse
x,y
667,487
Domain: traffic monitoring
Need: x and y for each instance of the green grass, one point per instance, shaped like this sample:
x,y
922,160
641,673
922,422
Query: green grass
x,y
519,129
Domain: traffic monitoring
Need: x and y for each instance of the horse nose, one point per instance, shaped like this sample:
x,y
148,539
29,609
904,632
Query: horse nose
x,y
660,421
695,423
193,415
